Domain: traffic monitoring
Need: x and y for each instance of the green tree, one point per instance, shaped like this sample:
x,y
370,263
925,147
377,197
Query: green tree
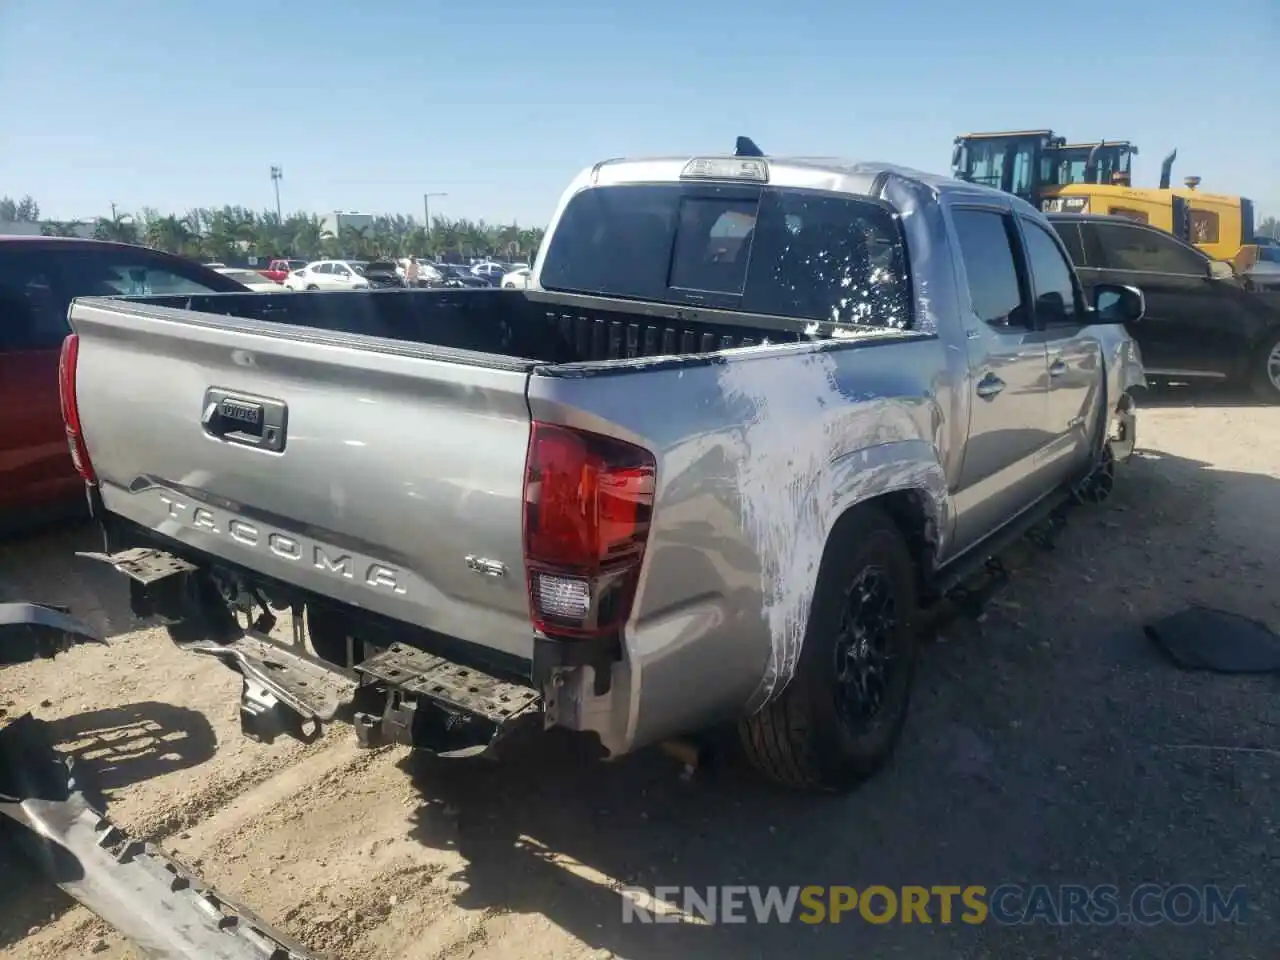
x,y
118,226
25,210
1269,227
58,228
231,232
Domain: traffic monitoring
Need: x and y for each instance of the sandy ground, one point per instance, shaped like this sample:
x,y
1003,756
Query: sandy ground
x,y
1048,744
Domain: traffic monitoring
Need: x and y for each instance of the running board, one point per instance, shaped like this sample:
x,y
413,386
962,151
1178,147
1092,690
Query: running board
x,y
152,899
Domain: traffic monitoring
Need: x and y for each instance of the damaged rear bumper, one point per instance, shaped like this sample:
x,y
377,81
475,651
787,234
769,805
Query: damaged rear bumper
x,y
398,693
33,631
153,900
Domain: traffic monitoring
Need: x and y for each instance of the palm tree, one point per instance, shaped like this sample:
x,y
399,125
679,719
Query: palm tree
x,y
171,234
118,226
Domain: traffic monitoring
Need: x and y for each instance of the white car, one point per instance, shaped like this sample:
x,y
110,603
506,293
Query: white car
x,y
251,279
517,279
489,271
329,275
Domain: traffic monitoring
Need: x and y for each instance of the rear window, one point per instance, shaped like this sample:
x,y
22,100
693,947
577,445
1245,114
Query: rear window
x,y
792,253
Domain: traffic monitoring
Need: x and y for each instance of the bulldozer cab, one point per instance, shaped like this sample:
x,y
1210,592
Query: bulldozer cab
x,y
1027,163
1018,162
1103,162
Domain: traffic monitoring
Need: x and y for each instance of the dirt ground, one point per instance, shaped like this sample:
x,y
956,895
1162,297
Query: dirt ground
x,y
1049,743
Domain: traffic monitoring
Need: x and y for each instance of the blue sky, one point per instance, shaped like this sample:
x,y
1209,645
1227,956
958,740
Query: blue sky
x,y
181,103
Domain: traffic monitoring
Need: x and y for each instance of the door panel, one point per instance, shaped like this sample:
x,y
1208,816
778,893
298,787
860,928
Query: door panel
x,y
35,465
1184,330
1005,469
1074,360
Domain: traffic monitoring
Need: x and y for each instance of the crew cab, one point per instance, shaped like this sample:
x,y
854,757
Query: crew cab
x,y
712,480
1203,322
39,276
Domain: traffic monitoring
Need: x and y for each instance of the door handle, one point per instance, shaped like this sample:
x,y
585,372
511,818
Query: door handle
x,y
989,386
1057,368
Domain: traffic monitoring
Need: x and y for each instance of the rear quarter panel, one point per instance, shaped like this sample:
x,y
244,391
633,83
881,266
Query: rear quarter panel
x,y
759,450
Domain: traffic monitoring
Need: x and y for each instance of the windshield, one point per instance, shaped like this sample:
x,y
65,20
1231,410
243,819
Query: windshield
x,y
356,265
1002,163
1070,162
790,253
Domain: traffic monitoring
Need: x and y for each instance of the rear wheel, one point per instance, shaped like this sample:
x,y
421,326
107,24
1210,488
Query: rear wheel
x,y
312,286
1265,375
840,717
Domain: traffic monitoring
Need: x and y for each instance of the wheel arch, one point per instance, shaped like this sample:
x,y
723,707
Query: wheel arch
x,y
906,482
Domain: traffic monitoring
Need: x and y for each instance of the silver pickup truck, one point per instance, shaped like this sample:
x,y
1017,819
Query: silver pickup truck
x,y
751,415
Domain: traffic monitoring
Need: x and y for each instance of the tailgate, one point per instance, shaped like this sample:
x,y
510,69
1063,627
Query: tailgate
x,y
396,485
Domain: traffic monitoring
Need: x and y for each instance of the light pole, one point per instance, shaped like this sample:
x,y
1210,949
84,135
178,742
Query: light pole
x,y
426,210
277,174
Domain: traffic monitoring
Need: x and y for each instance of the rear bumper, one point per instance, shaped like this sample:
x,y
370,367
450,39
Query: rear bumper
x,y
153,900
412,686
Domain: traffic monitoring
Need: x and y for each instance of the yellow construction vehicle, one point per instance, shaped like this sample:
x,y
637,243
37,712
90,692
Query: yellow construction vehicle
x,y
1056,176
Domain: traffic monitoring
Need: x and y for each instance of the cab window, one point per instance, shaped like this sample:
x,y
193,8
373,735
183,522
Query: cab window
x,y
30,318
1057,302
991,268
1147,250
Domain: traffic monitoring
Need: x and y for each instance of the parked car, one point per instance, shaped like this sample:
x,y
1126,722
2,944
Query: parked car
x,y
279,270
252,279
1264,272
1202,321
454,276
490,271
712,480
428,275
329,275
517,279
382,274
39,276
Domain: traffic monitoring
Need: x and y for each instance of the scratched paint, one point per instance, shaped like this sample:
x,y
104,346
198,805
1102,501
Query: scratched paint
x,y
785,489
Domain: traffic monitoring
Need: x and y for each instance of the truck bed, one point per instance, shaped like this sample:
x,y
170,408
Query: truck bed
x,y
514,324
390,460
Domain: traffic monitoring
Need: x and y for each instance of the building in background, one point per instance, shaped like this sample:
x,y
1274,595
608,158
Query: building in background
x,y
28,228
339,221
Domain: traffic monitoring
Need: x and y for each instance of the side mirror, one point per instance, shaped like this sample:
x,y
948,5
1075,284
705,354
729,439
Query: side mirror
x,y
1113,303
1221,270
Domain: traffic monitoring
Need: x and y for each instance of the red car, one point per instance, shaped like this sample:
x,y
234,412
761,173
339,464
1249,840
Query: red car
x,y
278,270
39,277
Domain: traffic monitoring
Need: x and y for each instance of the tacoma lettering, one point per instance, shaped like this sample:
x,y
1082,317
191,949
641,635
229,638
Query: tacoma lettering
x,y
326,560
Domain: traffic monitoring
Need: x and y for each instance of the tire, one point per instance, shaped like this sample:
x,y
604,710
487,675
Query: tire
x,y
312,286
1264,375
808,738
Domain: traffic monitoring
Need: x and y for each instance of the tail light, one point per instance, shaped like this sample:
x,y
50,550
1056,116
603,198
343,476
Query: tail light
x,y
70,410
587,504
